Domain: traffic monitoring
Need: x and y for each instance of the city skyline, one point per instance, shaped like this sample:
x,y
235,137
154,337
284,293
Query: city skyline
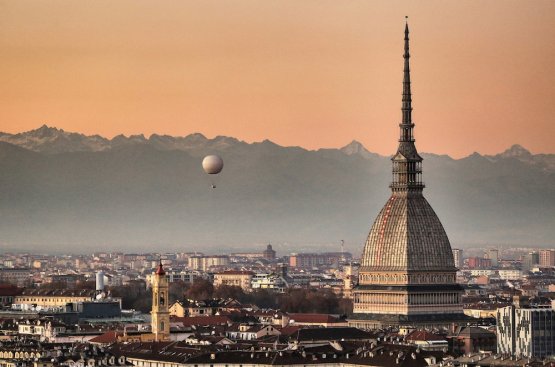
x,y
274,71
277,183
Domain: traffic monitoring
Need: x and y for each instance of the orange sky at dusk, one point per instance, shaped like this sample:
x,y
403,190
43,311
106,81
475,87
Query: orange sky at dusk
x,y
316,73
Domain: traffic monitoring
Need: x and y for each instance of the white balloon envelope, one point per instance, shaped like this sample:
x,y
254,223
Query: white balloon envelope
x,y
212,164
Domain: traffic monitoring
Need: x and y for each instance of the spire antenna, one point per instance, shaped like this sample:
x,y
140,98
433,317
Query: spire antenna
x,y
407,163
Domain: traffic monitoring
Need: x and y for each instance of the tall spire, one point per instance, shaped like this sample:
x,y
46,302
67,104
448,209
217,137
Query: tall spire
x,y
407,163
407,97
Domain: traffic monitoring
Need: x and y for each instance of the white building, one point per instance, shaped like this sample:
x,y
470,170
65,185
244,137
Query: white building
x,y
46,330
234,278
204,263
480,272
272,282
510,274
526,332
458,257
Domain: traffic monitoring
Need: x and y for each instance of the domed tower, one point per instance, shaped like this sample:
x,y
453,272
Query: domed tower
x,y
407,273
160,315
269,253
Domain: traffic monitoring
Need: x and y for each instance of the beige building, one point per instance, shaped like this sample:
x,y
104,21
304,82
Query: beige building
x,y
547,258
481,313
458,257
177,309
204,263
235,278
47,330
52,298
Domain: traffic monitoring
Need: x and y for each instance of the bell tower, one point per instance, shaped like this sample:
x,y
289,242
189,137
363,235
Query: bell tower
x,y
160,315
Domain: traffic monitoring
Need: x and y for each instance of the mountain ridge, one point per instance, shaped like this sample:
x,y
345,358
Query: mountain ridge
x,y
146,194
40,140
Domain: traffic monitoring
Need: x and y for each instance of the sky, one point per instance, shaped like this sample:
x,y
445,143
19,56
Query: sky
x,y
312,73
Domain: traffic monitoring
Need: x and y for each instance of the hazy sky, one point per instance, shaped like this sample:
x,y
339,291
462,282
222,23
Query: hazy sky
x,y
311,73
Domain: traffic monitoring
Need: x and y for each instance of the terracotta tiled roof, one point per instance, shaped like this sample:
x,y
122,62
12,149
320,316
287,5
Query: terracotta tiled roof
x,y
107,338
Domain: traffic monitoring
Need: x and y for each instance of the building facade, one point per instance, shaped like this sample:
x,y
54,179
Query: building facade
x,y
479,263
526,332
547,258
18,277
407,273
310,260
48,299
236,278
530,260
458,257
509,274
493,255
204,263
269,253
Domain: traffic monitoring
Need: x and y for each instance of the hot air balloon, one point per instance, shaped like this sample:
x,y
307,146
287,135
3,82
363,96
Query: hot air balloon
x,y
212,164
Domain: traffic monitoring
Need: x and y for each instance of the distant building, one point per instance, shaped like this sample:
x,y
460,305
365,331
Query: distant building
x,y
273,282
269,253
427,340
523,331
45,329
48,299
547,258
204,263
481,272
472,339
208,307
235,278
315,260
250,332
510,274
249,256
478,263
186,276
530,260
67,281
493,255
19,277
458,257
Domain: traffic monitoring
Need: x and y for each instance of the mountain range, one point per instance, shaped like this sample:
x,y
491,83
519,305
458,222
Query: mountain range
x,y
69,192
